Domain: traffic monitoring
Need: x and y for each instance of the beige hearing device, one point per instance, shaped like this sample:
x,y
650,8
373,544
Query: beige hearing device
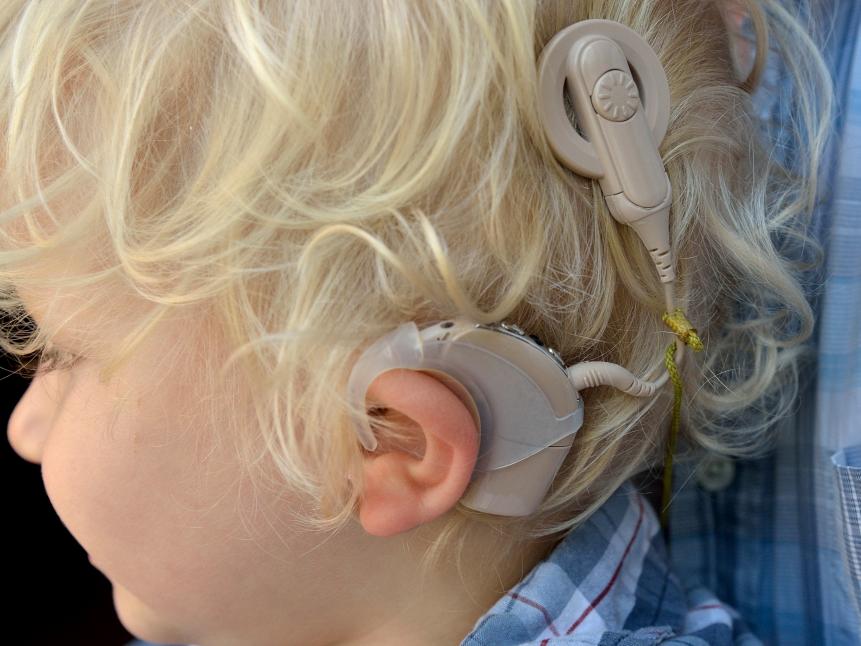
x,y
525,401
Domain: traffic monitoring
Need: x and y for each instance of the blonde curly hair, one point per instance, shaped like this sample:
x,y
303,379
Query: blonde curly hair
x,y
309,174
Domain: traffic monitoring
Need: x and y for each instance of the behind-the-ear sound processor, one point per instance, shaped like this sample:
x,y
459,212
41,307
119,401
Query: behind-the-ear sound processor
x,y
524,399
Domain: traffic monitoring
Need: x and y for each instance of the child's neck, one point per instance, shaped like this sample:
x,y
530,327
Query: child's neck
x,y
445,609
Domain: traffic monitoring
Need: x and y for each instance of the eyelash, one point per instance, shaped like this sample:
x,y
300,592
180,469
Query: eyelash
x,y
53,359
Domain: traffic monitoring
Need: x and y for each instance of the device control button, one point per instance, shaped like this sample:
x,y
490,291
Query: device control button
x,y
615,96
715,473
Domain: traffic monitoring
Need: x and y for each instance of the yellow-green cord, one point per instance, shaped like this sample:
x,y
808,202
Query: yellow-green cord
x,y
670,361
682,328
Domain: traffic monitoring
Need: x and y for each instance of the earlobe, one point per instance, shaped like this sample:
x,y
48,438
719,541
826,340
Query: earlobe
x,y
402,490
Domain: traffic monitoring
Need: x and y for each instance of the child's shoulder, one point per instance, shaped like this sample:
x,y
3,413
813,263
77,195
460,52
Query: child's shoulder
x,y
607,581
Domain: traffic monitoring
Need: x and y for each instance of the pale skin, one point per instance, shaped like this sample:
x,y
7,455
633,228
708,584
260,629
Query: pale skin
x,y
196,555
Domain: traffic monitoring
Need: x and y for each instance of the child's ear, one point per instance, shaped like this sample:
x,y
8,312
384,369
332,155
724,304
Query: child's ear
x,y
404,489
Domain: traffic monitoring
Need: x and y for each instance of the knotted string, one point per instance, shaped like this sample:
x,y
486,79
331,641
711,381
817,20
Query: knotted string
x,y
686,333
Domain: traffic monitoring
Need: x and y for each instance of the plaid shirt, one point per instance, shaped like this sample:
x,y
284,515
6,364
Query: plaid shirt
x,y
780,538
608,583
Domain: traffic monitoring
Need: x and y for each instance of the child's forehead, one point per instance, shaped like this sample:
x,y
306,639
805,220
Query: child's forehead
x,y
67,302
94,318
70,315
55,286
77,294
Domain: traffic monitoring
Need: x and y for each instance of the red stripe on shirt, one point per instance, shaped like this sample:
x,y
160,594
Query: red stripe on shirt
x,y
710,606
547,618
612,580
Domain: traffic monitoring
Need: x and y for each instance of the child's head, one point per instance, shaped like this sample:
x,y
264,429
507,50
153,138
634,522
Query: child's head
x,y
217,205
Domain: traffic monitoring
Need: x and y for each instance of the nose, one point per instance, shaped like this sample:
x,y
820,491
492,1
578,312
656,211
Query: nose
x,y
32,418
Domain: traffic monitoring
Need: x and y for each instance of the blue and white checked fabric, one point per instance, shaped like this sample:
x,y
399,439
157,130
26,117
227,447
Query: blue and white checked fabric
x,y
608,583
838,396
782,542
848,465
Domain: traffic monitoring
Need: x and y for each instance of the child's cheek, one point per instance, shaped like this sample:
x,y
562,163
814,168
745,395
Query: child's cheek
x,y
94,486
109,497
